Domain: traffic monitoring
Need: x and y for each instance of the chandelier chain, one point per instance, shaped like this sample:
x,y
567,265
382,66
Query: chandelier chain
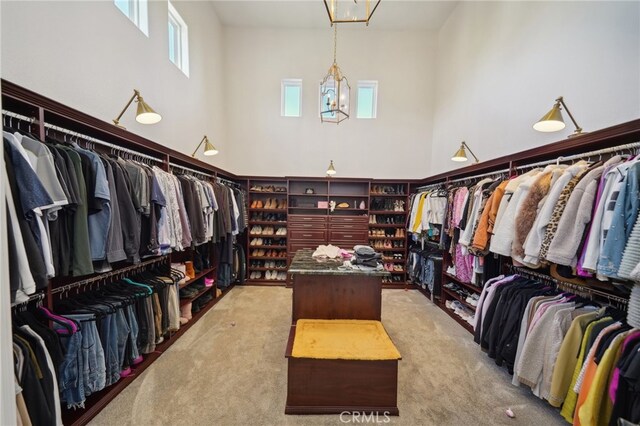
x,y
335,42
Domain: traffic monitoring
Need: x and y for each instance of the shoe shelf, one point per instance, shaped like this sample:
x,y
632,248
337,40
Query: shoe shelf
x,y
338,210
388,238
386,225
374,194
268,222
397,272
267,236
458,281
459,298
458,319
308,195
253,268
396,249
254,209
267,258
392,260
184,301
387,212
204,273
269,247
348,196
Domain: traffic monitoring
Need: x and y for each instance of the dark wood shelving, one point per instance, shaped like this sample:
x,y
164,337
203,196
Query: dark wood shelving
x,y
459,298
458,319
396,249
264,281
388,238
266,236
467,285
268,210
386,225
197,277
338,209
348,195
372,195
393,261
186,300
307,208
252,268
308,195
397,272
268,222
387,212
267,258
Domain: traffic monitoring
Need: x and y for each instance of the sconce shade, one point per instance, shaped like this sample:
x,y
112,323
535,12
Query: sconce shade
x,y
146,114
551,121
331,170
209,149
460,155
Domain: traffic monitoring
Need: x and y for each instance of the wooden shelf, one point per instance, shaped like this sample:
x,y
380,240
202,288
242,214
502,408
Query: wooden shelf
x,y
459,298
308,195
467,285
269,247
397,249
308,208
264,281
393,260
338,209
373,195
387,212
386,225
251,268
348,196
268,210
267,236
197,277
388,238
268,222
459,320
267,258
185,301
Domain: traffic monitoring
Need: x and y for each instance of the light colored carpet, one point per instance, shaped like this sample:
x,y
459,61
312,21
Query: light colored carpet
x,y
229,369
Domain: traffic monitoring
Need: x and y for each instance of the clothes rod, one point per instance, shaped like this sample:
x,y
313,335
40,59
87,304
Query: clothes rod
x,y
560,159
82,136
430,186
107,275
568,285
495,172
177,166
34,297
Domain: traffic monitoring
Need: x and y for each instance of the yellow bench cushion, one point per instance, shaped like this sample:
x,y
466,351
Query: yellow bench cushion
x,y
361,340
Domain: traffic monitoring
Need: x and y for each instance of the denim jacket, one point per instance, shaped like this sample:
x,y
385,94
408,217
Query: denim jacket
x,y
624,217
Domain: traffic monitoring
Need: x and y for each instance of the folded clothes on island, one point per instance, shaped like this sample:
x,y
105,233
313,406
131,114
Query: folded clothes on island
x,y
367,256
329,251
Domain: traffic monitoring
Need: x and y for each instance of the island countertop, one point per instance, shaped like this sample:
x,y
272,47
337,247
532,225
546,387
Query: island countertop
x,y
303,263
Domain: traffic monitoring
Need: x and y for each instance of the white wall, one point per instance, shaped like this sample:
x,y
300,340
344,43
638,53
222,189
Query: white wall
x,y
501,65
88,55
395,145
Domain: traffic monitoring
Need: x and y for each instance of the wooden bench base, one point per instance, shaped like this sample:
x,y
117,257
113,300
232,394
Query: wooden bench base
x,y
334,386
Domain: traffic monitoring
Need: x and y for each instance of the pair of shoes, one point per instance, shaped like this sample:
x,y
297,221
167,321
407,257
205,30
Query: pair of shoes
x,y
281,231
255,275
258,253
398,268
400,233
372,219
256,204
275,275
256,242
398,206
388,267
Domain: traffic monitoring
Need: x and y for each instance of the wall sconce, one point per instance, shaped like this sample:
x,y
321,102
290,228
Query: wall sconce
x,y
144,115
331,170
209,149
461,154
553,121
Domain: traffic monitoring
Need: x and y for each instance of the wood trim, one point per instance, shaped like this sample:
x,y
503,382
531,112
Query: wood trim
x,y
615,135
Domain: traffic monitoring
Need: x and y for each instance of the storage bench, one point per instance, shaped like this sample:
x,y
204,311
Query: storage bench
x,y
341,365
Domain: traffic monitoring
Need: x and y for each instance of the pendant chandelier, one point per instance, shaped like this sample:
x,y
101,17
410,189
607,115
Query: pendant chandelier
x,y
335,91
350,10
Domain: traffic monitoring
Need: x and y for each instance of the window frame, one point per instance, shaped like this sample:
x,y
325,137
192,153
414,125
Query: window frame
x,y
181,39
290,82
138,13
367,84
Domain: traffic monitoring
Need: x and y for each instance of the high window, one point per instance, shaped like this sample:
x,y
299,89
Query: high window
x,y
291,98
178,40
367,99
136,11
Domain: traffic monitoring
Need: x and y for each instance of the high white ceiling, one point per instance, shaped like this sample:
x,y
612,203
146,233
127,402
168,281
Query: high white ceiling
x,y
390,14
